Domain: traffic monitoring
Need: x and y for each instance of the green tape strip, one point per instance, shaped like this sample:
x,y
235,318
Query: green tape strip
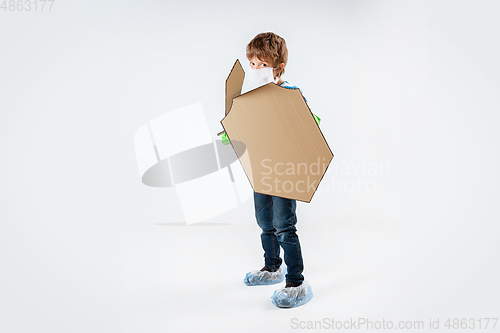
x,y
318,119
225,140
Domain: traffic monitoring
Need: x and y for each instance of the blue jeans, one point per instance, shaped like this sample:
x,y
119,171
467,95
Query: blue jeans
x,y
276,217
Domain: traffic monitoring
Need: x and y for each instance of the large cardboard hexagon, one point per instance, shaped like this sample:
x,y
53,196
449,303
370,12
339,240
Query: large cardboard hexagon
x,y
284,153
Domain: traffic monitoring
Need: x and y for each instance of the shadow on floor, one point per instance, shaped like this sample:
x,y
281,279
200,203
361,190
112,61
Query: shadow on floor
x,y
181,224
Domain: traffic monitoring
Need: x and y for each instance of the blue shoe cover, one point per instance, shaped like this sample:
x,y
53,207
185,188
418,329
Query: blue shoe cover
x,y
256,278
293,296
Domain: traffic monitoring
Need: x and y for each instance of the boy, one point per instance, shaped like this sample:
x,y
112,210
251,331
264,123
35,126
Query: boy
x,y
276,215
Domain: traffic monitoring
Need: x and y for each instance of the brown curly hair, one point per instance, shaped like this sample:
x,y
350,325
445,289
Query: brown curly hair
x,y
268,46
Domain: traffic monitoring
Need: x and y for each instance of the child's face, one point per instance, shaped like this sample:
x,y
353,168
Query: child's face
x,y
256,63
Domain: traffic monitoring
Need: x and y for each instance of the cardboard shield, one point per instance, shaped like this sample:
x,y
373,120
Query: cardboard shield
x,y
286,154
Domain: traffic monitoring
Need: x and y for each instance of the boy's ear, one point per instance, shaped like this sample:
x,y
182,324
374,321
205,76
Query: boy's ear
x,y
281,67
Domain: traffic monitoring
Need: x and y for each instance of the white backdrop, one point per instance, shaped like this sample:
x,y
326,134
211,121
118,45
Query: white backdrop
x,y
403,226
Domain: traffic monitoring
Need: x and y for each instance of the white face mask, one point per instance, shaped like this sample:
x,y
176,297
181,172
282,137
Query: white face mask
x,y
255,78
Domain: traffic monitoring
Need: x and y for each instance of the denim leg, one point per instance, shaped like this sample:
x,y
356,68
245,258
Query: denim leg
x,y
264,215
284,221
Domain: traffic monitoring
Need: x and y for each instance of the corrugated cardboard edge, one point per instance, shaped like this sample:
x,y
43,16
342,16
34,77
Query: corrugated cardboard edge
x,y
312,116
322,135
234,82
326,142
